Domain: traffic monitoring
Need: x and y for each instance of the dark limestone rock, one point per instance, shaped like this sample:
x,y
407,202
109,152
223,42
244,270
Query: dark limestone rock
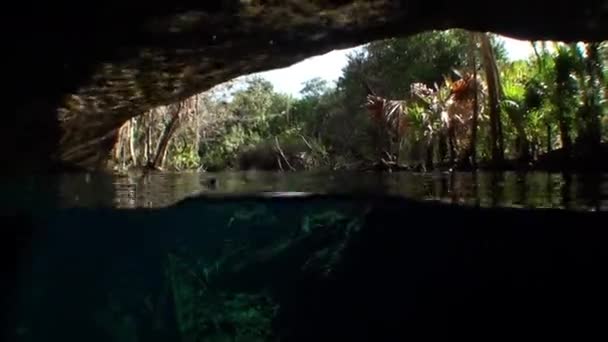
x,y
80,70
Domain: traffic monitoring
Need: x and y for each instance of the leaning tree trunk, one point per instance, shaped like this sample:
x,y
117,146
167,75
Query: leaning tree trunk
x,y
166,136
148,141
132,141
493,81
472,150
119,145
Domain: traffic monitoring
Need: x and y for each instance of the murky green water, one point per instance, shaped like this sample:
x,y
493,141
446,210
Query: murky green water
x,y
289,268
531,190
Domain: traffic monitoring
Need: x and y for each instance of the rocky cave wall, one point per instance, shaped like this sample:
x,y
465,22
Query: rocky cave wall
x,y
77,72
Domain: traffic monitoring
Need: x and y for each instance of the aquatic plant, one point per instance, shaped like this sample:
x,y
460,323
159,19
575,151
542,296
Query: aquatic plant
x,y
208,313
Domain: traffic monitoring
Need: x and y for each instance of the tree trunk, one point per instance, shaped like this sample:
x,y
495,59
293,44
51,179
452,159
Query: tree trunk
x,y
118,146
452,142
522,144
549,140
564,132
501,139
429,156
493,81
166,136
564,96
473,143
593,131
164,157
149,137
132,142
442,147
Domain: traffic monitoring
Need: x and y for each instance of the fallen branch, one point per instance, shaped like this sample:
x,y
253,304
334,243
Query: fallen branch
x,y
276,141
306,142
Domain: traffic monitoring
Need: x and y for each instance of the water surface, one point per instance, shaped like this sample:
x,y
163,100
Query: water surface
x,y
504,189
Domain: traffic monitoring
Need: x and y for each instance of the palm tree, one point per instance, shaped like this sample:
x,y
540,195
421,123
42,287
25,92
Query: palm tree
x,y
488,60
590,74
564,94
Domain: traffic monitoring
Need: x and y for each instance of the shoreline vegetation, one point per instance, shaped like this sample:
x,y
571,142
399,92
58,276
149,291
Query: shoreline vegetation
x,y
447,100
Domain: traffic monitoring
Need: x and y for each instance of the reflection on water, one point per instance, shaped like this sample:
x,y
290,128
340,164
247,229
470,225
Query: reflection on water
x,y
530,190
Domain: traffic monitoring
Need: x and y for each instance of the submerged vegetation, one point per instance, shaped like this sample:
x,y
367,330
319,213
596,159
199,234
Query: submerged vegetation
x,y
439,98
218,282
308,269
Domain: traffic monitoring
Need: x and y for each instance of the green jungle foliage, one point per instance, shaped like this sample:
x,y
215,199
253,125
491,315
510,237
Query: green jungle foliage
x,y
556,98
